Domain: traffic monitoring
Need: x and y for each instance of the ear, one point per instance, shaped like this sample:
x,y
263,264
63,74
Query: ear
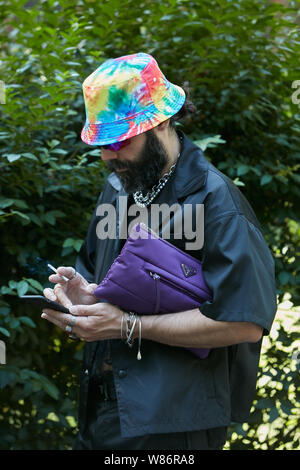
x,y
163,126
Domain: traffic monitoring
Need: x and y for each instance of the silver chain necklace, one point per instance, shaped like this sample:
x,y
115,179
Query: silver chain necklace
x,y
144,201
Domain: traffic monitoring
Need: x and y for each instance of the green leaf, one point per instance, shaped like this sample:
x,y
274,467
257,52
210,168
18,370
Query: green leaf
x,y
13,284
7,377
14,323
30,156
274,414
208,142
94,153
4,202
34,283
286,406
12,157
68,243
59,151
4,311
54,143
265,180
242,169
51,389
49,217
6,290
265,403
27,321
237,182
22,288
34,218
4,331
21,215
77,245
57,213
21,204
284,277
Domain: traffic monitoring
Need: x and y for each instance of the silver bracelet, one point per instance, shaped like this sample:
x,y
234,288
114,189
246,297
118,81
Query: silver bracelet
x,y
130,315
139,356
131,319
122,322
129,336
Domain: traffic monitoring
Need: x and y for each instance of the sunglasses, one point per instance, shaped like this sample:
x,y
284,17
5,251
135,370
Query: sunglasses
x,y
116,146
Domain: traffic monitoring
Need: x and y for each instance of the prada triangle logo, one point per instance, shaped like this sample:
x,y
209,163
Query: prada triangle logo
x,y
188,271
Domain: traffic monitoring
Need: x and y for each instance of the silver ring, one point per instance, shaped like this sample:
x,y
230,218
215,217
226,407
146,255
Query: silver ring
x,y
69,328
73,336
74,275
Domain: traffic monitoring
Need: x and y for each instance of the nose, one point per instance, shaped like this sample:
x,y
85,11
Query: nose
x,y
107,155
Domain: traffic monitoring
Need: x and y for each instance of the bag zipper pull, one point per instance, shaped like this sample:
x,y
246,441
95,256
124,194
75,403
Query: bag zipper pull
x,y
156,277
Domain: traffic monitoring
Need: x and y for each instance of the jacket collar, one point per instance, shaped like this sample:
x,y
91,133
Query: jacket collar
x,y
191,170
190,174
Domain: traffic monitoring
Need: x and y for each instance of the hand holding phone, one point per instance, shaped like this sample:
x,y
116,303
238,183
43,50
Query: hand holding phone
x,y
42,303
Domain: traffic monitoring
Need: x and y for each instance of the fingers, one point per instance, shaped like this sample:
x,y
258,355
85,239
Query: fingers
x,y
56,279
70,273
89,322
57,294
57,318
91,288
86,310
65,275
72,319
61,296
62,320
49,294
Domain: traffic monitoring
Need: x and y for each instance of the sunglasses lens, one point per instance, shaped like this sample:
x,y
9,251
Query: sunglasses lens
x,y
116,146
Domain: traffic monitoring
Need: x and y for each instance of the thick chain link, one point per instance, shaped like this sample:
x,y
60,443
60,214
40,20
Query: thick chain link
x,y
144,201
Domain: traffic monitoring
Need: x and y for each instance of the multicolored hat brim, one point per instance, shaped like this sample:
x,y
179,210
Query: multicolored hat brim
x,y
125,97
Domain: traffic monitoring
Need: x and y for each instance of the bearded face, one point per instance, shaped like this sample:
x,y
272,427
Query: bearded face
x,y
144,172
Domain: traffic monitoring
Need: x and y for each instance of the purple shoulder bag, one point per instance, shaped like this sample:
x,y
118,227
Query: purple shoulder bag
x,y
152,276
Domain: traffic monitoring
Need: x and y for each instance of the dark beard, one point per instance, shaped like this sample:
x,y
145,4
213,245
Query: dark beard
x,y
144,173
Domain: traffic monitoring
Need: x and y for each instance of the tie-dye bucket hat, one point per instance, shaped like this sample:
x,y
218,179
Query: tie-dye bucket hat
x,y
125,97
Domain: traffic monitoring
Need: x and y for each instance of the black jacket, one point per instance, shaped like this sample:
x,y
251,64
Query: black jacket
x,y
170,390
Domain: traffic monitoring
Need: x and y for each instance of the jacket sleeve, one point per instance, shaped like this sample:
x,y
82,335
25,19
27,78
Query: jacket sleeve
x,y
239,269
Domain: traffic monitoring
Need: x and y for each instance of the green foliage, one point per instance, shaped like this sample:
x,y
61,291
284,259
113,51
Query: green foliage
x,y
274,419
240,59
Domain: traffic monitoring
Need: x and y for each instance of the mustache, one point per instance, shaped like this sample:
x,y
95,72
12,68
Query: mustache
x,y
118,165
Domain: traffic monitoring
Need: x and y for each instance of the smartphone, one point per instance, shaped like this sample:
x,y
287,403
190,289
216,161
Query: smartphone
x,y
42,303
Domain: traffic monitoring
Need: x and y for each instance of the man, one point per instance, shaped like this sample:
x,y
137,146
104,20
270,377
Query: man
x,y
169,399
